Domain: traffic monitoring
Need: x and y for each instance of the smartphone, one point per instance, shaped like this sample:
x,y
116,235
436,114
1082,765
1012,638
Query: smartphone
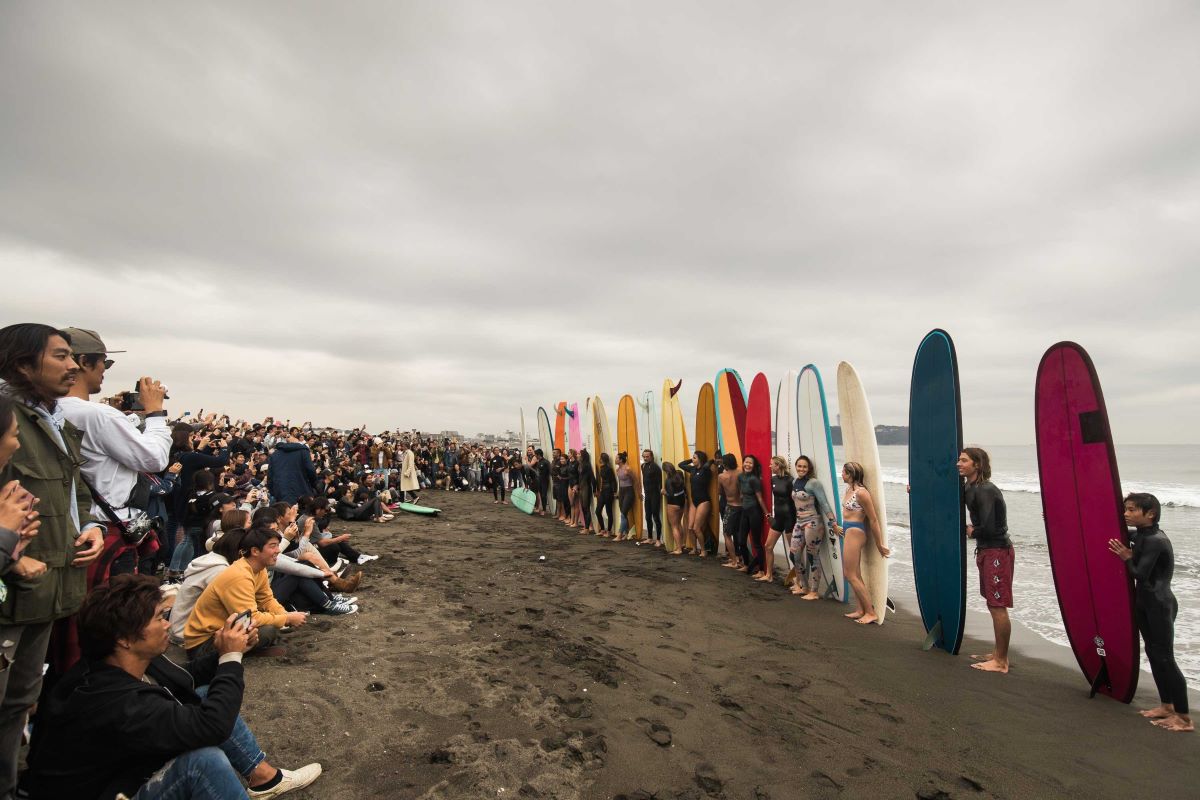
x,y
244,619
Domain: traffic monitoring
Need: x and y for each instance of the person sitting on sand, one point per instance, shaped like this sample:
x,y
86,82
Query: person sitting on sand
x,y
1151,563
993,550
860,527
735,546
812,508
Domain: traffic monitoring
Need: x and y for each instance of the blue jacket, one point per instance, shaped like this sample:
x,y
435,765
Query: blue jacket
x,y
290,472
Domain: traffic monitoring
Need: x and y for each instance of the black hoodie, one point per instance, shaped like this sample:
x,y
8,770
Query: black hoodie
x,y
103,731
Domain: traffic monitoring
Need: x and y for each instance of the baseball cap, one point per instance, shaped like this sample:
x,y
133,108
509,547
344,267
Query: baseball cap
x,y
88,342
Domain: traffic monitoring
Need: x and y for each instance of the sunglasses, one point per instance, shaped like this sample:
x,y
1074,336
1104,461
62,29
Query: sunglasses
x,y
108,362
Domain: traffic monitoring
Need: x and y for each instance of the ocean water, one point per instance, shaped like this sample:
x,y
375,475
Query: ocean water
x,y
1171,472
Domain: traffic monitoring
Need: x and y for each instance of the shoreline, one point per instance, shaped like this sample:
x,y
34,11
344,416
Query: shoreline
x,y
607,671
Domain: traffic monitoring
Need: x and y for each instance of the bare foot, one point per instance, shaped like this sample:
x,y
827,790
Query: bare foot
x,y
658,544
811,596
854,615
764,578
1177,723
676,552
1159,712
987,657
796,590
991,665
867,619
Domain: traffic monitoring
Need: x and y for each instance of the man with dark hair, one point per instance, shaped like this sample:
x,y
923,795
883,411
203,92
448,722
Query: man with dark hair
x,y
127,720
37,368
244,586
988,525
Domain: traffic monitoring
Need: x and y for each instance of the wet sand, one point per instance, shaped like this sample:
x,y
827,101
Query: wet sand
x,y
612,671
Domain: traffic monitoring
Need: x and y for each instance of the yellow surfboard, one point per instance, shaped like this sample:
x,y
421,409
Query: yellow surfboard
x,y
627,442
601,438
706,440
674,440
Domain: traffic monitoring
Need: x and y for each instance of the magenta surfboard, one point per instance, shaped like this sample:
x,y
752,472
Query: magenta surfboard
x,y
757,443
1081,503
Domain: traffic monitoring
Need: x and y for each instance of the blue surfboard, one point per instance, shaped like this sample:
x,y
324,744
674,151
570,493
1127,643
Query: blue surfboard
x,y
935,503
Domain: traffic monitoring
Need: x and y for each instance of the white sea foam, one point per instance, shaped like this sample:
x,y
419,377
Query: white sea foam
x,y
1170,495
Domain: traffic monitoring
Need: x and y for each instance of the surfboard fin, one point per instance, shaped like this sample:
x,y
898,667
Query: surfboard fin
x,y
934,636
1101,678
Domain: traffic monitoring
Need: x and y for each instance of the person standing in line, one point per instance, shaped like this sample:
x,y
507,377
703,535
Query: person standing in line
x,y
735,546
700,470
606,492
675,491
988,516
754,509
587,489
1150,560
861,529
625,498
37,367
783,519
652,488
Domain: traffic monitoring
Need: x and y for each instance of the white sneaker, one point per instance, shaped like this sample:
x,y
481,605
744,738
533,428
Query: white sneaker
x,y
336,567
292,779
364,558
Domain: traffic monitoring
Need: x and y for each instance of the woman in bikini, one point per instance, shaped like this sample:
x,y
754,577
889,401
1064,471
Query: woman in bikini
x,y
860,526
700,470
676,494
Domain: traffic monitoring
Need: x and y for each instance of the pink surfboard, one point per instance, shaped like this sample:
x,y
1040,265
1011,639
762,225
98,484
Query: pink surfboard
x,y
575,437
1082,506
757,443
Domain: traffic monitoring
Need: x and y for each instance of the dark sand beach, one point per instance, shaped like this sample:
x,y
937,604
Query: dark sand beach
x,y
612,671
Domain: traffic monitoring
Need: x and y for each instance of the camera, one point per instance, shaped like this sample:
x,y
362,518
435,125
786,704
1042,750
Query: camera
x,y
132,401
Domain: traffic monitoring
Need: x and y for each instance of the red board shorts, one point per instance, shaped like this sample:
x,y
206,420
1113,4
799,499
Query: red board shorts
x,y
995,575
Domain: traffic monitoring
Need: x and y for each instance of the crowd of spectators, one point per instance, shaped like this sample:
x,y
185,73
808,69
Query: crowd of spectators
x,y
125,531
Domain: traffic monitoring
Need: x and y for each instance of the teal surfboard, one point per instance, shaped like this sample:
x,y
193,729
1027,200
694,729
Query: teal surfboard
x,y
425,511
935,503
523,499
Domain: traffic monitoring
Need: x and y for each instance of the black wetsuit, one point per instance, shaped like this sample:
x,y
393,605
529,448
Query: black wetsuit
x,y
784,507
652,504
587,488
543,473
604,498
496,468
749,537
1155,607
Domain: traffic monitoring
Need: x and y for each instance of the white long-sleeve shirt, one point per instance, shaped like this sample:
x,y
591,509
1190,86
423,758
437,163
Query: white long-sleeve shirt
x,y
115,450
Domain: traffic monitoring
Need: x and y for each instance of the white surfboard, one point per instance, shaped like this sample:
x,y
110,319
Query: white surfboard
x,y
546,439
815,442
649,419
858,442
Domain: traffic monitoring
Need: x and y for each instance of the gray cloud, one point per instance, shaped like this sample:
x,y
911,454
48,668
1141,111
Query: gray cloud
x,y
431,214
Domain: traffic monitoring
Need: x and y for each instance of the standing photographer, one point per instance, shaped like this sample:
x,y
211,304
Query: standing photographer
x,y
116,452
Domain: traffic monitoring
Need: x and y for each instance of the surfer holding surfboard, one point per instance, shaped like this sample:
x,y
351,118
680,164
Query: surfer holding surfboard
x,y
993,550
860,527
1150,562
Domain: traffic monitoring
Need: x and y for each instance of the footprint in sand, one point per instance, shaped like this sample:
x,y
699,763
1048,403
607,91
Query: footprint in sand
x,y
678,709
657,732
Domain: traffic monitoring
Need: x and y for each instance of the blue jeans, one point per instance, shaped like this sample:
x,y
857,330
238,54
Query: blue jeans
x,y
204,774
182,554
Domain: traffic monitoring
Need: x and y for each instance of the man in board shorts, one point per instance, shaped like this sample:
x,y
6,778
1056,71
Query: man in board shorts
x,y
993,550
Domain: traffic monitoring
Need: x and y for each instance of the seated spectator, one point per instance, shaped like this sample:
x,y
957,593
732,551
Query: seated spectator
x,y
242,587
330,546
126,720
202,570
352,511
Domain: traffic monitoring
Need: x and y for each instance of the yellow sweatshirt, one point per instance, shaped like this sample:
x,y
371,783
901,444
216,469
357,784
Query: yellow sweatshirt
x,y
237,589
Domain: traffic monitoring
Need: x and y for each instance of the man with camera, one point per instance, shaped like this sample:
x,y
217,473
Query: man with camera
x,y
116,452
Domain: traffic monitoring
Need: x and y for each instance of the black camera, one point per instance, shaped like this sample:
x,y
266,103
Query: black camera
x,y
132,401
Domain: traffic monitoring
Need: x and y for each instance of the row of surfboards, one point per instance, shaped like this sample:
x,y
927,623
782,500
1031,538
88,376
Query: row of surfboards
x,y
1081,491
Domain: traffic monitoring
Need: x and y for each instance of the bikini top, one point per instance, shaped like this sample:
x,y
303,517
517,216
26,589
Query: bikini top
x,y
852,504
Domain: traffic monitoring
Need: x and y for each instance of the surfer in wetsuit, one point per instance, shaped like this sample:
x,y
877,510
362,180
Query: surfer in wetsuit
x,y
754,508
556,478
993,550
543,475
812,505
727,479
676,494
701,471
652,490
586,489
783,513
572,476
1151,562
860,528
606,492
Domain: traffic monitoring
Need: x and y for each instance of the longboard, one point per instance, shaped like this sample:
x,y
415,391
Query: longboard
x,y
575,432
424,511
816,442
523,499
731,412
935,502
547,440
560,427
706,440
627,441
601,440
858,441
787,404
758,444
650,430
1082,507
675,444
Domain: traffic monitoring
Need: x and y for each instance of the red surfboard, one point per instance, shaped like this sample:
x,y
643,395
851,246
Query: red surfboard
x,y
1082,506
757,443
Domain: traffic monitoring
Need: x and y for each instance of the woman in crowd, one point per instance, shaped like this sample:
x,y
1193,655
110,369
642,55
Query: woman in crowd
x,y
860,526
815,518
352,510
652,494
18,515
783,518
187,448
625,498
606,491
675,493
571,473
699,468
754,508
587,489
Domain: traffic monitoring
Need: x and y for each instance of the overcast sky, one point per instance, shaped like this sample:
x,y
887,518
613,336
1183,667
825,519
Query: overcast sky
x,y
432,214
